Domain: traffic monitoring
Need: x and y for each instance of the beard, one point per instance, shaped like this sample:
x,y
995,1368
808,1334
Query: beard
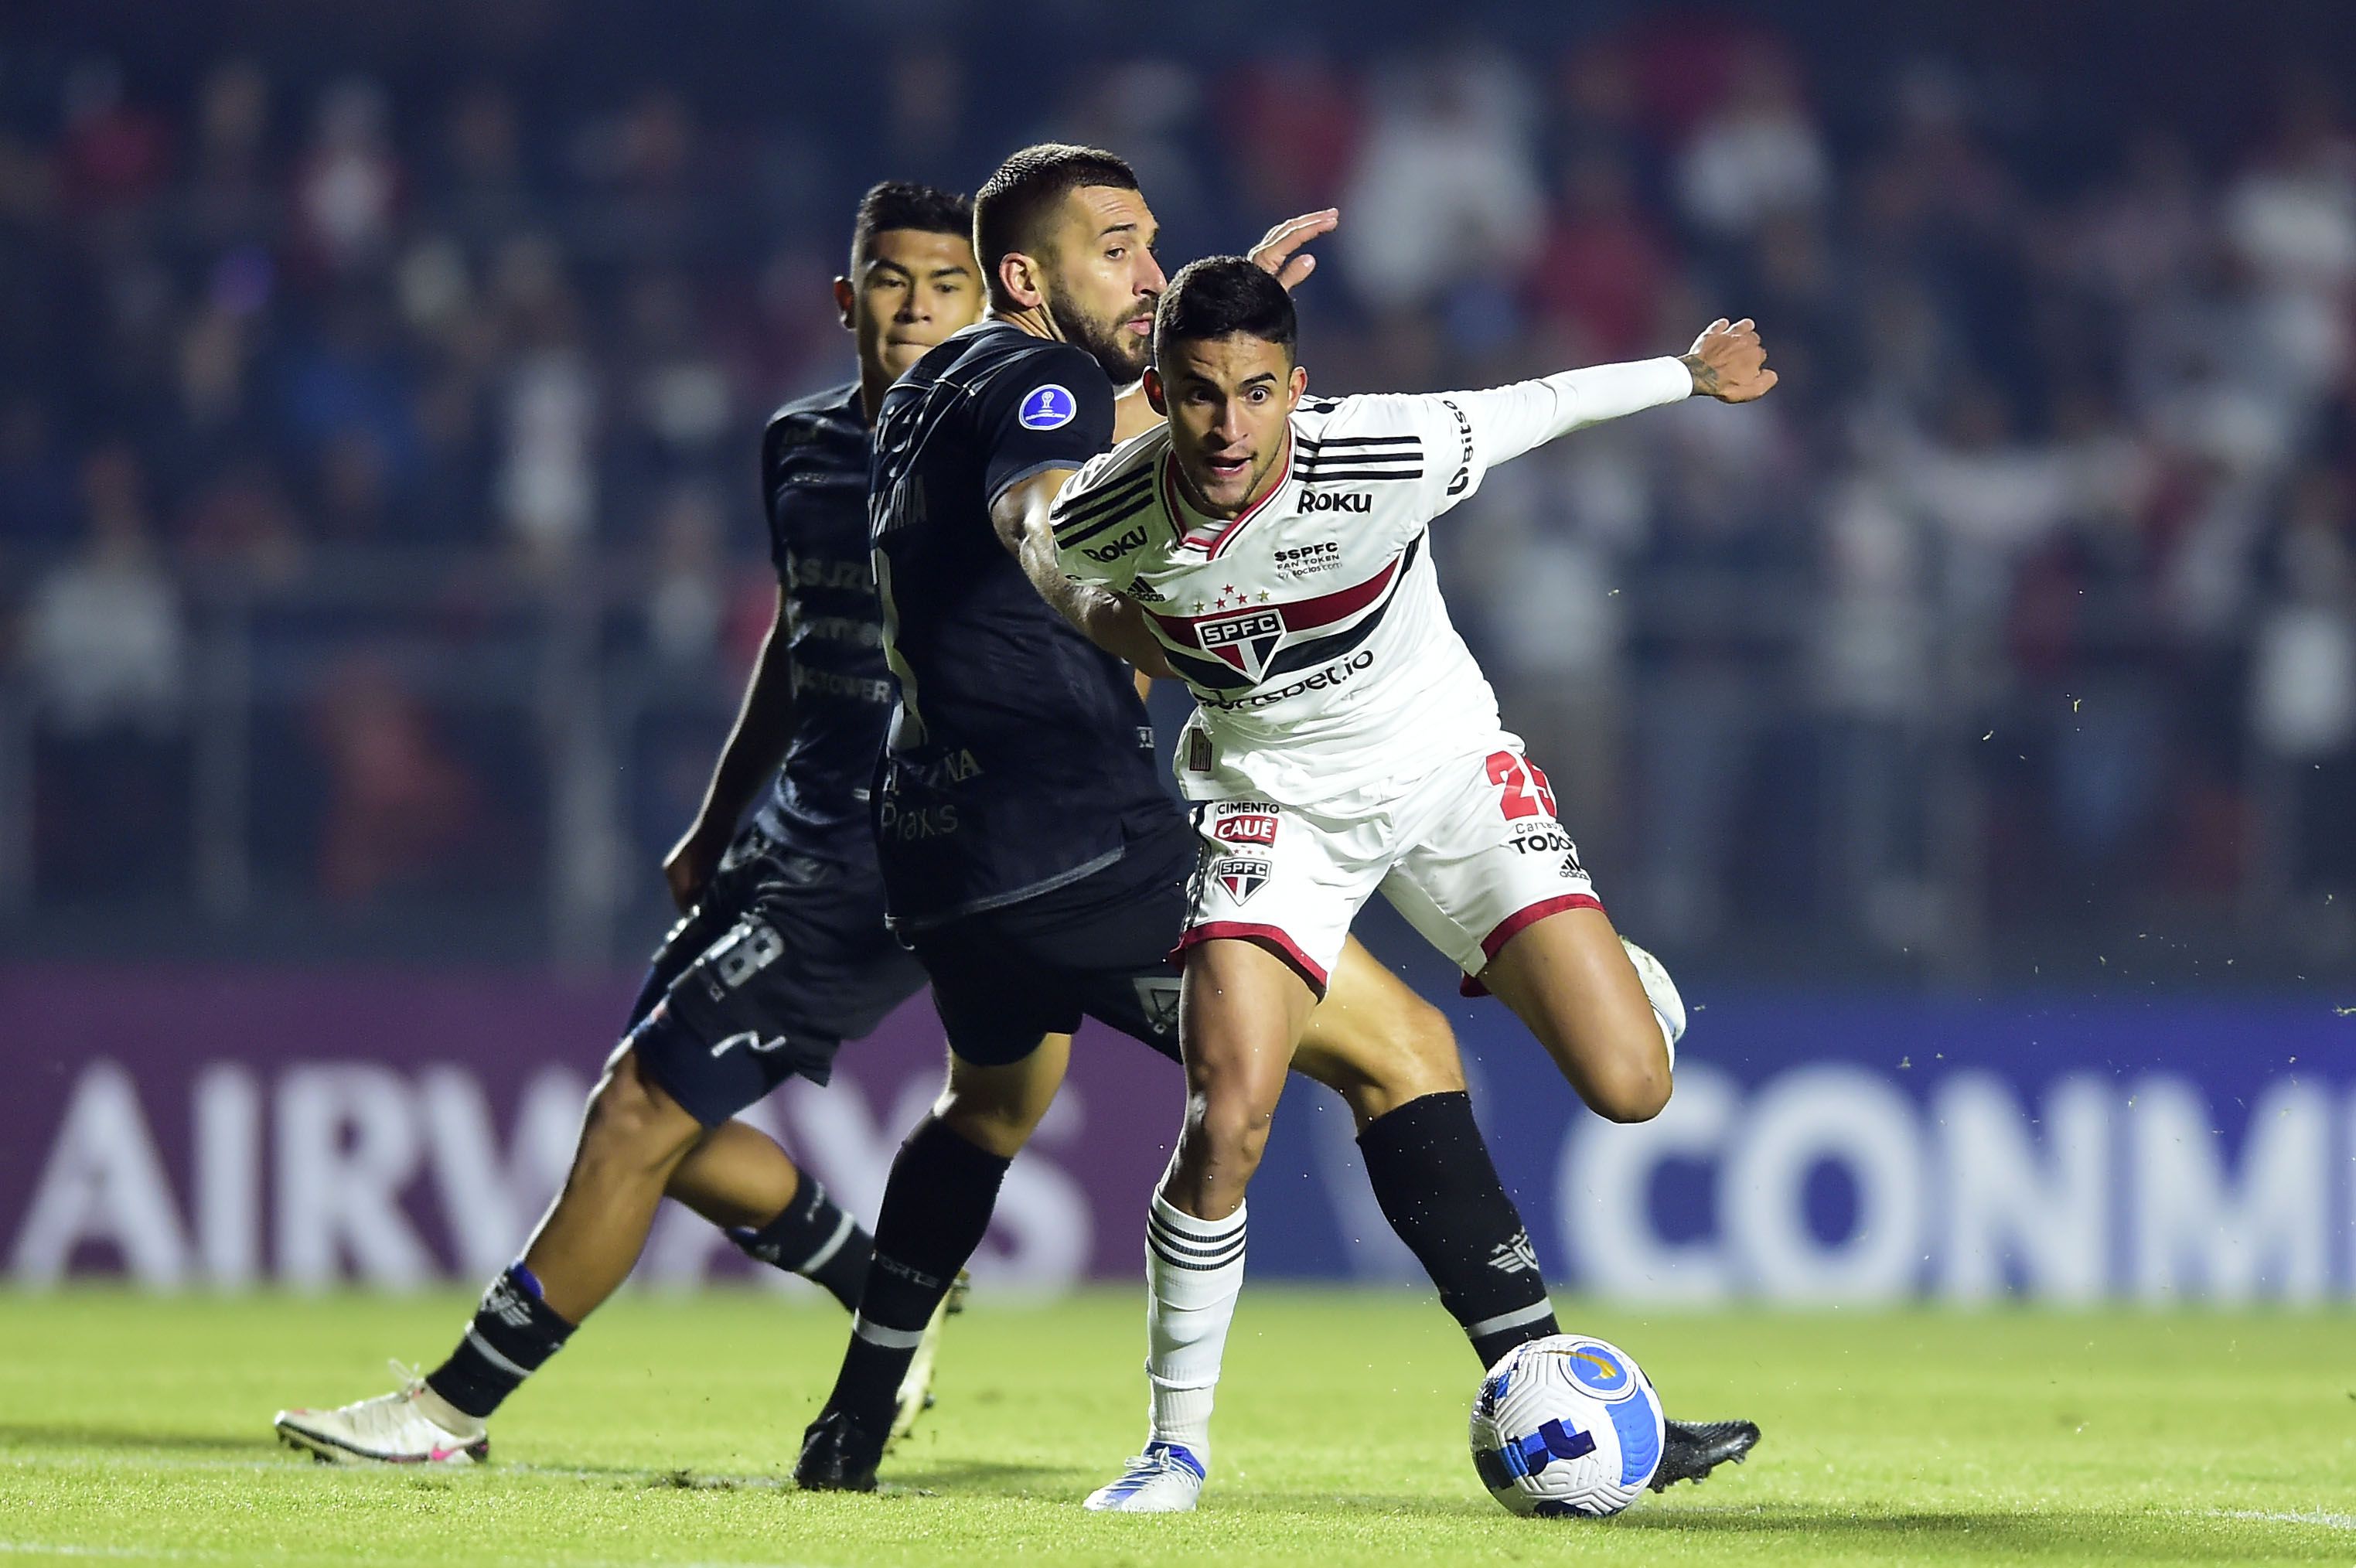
x,y
1123,354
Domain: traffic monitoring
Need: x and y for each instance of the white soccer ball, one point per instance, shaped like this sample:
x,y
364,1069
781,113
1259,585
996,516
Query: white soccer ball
x,y
1567,1426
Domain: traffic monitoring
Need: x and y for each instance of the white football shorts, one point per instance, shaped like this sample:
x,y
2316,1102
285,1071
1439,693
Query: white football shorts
x,y
1470,855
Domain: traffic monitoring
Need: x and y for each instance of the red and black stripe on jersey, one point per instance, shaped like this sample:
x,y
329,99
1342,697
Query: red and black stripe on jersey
x,y
1205,669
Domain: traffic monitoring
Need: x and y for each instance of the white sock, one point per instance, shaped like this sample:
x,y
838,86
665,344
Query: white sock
x,y
1193,1269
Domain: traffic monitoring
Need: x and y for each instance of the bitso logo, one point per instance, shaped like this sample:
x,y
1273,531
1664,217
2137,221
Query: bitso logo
x,y
1463,478
1050,407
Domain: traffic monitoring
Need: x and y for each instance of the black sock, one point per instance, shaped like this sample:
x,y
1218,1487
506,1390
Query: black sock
x,y
513,1332
935,1208
816,1238
1432,1175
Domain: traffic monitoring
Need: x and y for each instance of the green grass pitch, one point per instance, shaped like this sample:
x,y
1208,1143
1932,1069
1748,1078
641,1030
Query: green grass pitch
x,y
138,1430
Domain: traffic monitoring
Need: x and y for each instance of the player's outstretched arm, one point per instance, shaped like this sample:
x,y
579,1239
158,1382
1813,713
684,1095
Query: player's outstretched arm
x,y
1021,516
756,743
1727,362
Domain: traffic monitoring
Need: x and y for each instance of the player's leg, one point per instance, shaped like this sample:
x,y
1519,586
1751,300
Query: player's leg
x,y
1240,1014
514,1330
1241,1011
1612,1028
770,998
1495,882
1492,879
631,1136
1009,1030
1568,978
817,968
1386,1052
937,1206
844,975
738,1177
710,1047
1393,1057
1266,917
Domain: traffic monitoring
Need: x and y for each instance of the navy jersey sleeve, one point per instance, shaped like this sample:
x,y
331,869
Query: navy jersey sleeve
x,y
1050,409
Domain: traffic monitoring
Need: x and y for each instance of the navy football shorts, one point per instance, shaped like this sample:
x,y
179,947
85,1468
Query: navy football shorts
x,y
785,958
1099,947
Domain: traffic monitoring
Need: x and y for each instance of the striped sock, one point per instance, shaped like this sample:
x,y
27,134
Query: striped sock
x,y
1193,1269
816,1238
512,1333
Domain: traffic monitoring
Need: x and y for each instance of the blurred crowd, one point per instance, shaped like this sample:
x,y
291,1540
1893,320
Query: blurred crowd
x,y
378,460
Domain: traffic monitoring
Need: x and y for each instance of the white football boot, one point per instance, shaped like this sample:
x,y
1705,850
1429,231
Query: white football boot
x,y
1165,1478
915,1395
411,1426
1662,992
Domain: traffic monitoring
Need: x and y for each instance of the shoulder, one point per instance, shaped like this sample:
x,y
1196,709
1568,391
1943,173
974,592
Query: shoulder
x,y
1100,515
1386,436
1045,385
828,423
1128,467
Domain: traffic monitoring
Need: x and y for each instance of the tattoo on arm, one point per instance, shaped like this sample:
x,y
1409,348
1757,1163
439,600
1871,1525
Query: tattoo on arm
x,y
1705,373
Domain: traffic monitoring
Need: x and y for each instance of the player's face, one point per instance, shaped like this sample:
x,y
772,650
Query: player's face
x,y
913,288
1100,279
1228,399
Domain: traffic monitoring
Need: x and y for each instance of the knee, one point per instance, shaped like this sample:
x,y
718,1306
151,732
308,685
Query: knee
x,y
1417,1056
996,1123
1233,1125
632,1119
1634,1088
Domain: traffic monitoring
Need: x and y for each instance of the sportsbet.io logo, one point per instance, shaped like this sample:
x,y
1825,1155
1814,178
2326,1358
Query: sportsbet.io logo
x,y
1050,407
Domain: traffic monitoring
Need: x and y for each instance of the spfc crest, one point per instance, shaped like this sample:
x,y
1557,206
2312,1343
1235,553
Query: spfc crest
x,y
1245,639
1240,878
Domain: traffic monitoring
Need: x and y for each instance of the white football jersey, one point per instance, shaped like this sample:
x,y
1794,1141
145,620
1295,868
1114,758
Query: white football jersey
x,y
1311,627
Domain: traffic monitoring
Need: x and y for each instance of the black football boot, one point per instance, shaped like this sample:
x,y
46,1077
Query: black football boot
x,y
1690,1450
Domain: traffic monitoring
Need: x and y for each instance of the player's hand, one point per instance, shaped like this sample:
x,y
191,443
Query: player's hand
x,y
687,868
1276,251
1730,363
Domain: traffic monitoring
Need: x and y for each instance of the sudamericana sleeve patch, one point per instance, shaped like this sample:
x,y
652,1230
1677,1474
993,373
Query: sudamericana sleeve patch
x,y
1050,407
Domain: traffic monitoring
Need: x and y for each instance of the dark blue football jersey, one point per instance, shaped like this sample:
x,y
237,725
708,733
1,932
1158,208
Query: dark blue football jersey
x,y
1020,758
814,478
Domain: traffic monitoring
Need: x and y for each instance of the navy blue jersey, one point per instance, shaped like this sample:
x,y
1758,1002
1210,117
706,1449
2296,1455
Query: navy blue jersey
x,y
1020,757
814,479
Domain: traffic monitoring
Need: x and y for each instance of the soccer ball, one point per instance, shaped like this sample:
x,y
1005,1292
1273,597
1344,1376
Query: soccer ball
x,y
1566,1426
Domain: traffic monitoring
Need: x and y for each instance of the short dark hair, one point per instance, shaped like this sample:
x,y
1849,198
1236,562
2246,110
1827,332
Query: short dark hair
x,y
901,204
1013,204
1220,295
